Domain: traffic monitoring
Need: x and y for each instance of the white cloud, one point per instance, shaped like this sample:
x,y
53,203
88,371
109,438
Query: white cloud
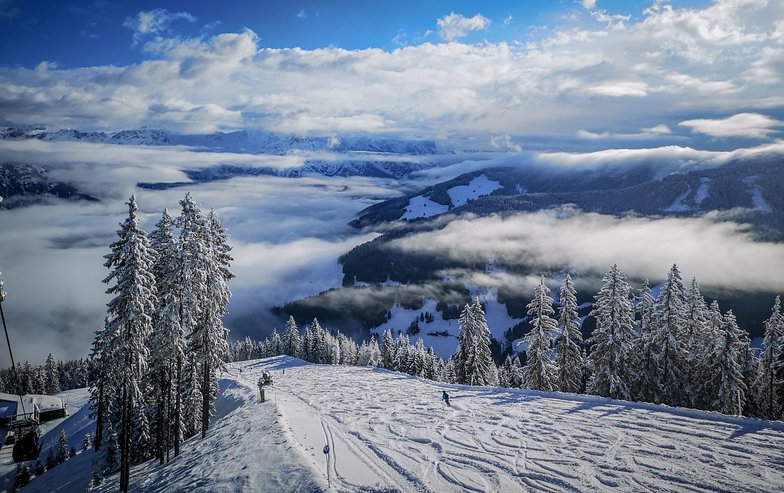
x,y
719,254
454,26
154,22
751,125
445,90
302,14
588,4
645,133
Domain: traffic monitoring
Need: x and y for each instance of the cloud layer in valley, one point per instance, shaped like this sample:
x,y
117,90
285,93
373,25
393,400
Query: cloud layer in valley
x,y
720,254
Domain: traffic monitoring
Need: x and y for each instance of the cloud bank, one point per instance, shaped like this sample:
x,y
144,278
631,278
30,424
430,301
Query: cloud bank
x,y
719,254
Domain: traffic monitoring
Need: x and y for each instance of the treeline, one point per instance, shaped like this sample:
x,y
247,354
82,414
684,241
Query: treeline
x,y
158,356
673,349
50,378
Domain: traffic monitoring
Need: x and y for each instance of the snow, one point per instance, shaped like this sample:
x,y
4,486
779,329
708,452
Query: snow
x,y
702,190
756,195
678,205
389,431
421,206
76,424
477,187
444,346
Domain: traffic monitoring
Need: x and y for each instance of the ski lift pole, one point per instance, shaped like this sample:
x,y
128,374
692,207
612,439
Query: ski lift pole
x,y
10,352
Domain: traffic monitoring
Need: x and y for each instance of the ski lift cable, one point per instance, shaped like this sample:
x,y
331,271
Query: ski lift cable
x,y
10,351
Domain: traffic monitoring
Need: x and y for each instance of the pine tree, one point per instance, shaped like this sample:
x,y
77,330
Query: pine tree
x,y
129,325
667,343
613,338
291,341
569,360
62,448
473,362
696,333
539,372
52,371
727,377
205,263
645,375
167,343
387,350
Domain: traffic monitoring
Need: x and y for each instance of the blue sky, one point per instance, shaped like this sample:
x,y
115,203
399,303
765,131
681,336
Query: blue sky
x,y
84,33
567,75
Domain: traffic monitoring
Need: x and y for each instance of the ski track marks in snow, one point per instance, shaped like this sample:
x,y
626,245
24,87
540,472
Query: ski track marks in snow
x,y
390,431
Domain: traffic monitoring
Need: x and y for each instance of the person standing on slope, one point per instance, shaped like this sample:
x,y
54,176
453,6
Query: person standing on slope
x,y
445,398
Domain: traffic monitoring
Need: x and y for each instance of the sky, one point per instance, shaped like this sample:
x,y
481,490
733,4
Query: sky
x,y
563,83
585,74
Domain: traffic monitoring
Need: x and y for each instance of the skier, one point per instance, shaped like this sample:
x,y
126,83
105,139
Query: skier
x,y
445,398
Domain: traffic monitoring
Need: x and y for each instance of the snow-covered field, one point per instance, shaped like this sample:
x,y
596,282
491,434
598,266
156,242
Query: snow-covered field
x,y
390,432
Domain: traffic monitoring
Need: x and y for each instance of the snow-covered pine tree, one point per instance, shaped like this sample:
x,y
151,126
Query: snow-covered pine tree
x,y
129,326
205,263
387,350
696,333
668,343
167,343
62,448
291,339
569,360
767,388
613,338
727,375
276,343
52,372
539,372
210,340
193,256
645,375
402,346
420,355
473,362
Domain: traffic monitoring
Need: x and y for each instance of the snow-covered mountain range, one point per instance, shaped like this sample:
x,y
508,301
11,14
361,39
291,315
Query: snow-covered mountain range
x,y
241,141
388,431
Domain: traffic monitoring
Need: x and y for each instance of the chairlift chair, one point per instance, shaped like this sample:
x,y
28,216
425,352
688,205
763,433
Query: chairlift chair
x,y
27,435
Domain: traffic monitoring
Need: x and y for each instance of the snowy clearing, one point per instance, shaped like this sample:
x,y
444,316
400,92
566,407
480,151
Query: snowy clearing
x,y
390,432
477,187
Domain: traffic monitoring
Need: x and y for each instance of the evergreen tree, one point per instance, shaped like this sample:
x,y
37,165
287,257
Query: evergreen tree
x,y
62,448
727,377
472,361
129,326
52,372
569,360
167,343
613,338
667,343
645,374
387,350
291,340
539,372
695,337
204,263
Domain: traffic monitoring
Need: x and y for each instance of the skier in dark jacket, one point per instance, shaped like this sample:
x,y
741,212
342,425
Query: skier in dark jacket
x,y
445,398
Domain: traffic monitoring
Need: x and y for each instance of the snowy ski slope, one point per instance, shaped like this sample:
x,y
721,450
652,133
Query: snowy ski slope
x,y
390,432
